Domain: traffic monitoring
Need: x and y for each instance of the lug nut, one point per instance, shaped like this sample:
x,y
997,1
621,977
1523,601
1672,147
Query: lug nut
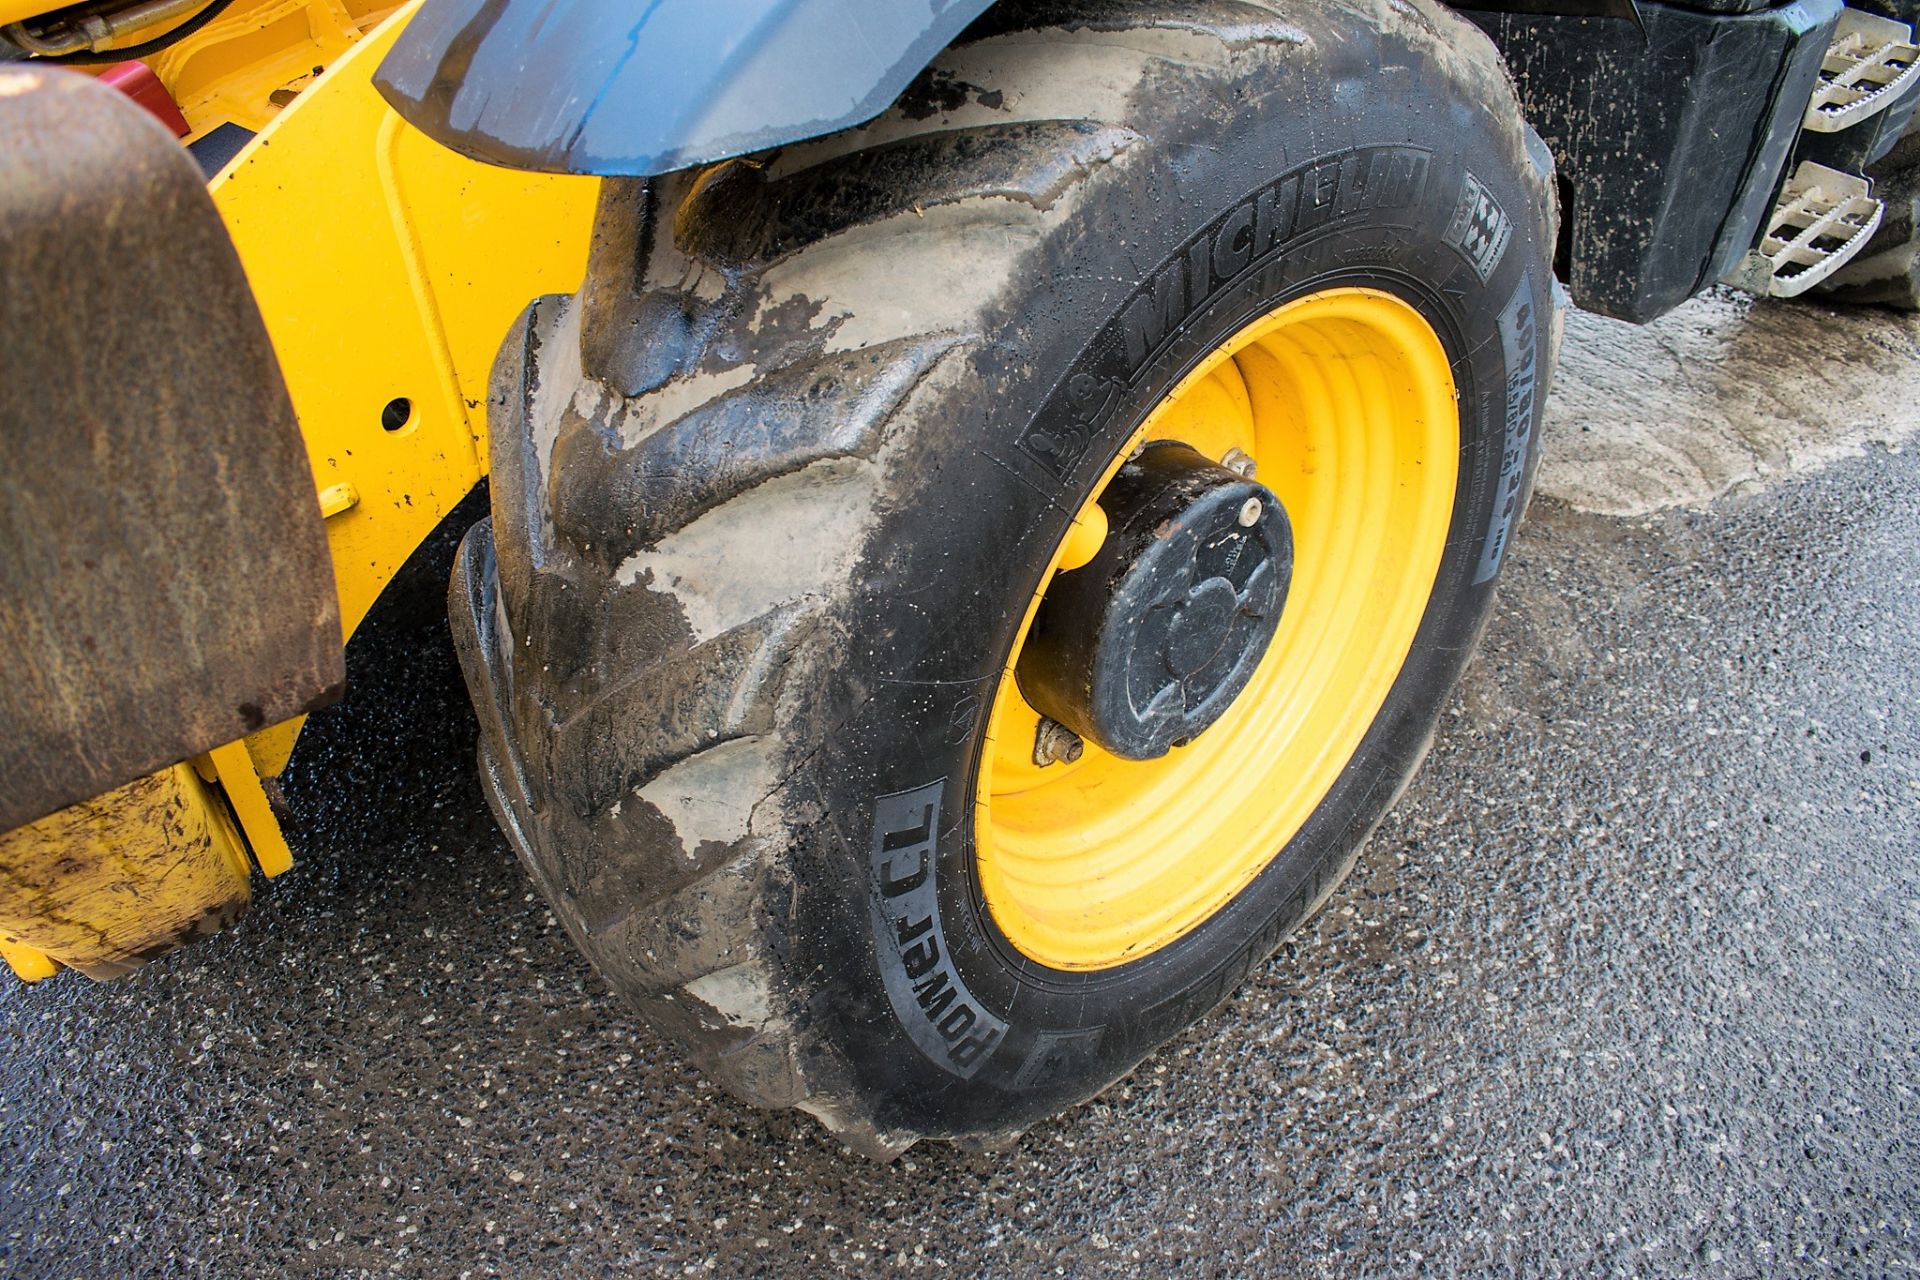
x,y
1055,743
1249,513
1240,462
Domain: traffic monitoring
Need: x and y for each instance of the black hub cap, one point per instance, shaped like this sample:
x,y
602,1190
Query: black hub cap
x,y
1147,644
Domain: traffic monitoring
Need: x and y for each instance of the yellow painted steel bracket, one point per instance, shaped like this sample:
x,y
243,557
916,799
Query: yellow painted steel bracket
x,y
387,270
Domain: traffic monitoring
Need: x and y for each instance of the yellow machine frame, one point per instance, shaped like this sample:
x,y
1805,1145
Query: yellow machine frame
x,y
388,269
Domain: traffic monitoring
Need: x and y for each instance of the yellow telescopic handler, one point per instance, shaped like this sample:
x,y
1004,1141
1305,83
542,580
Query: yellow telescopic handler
x,y
988,501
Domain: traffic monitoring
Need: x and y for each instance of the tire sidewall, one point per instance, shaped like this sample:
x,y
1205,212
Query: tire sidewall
x,y
1051,400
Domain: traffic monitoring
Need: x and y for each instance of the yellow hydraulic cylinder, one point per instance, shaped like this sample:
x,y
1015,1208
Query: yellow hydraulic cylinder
x,y
113,882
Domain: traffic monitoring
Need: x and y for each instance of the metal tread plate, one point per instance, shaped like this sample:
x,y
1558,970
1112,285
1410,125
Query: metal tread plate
x,y
1870,63
1823,218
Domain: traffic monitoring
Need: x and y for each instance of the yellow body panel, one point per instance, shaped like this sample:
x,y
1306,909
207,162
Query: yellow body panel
x,y
252,60
1345,401
248,63
388,270
19,10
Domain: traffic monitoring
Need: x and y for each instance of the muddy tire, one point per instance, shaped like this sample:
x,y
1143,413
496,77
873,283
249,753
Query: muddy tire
x,y
772,494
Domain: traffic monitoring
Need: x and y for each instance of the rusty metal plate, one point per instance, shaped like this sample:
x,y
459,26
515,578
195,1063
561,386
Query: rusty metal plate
x,y
165,585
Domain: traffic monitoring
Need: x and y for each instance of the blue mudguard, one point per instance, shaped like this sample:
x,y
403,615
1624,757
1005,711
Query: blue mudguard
x,y
641,87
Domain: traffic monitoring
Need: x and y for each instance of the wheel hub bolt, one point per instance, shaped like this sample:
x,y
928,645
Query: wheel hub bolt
x,y
1240,462
1054,743
1249,513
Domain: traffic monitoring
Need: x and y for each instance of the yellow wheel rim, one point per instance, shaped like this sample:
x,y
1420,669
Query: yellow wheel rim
x,y
1346,403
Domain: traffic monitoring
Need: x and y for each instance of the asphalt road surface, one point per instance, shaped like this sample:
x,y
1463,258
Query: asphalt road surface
x,y
1627,985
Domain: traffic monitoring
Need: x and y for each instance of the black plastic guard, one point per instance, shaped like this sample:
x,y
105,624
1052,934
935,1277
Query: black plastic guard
x,y
1671,142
